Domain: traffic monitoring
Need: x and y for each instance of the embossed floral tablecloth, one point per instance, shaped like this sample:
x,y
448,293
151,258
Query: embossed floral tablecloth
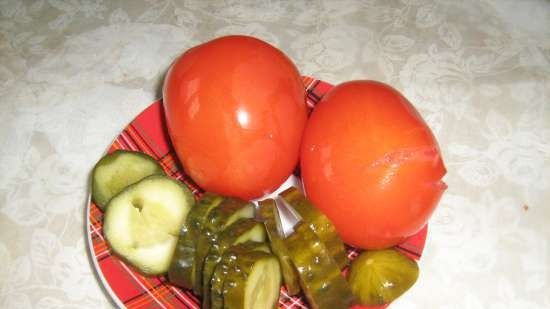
x,y
73,73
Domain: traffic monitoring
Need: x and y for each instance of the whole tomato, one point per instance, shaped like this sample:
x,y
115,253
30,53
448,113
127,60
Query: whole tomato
x,y
371,164
235,109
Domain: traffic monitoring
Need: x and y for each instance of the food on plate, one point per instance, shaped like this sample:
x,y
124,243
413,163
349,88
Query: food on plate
x,y
371,164
236,115
320,277
221,217
119,169
241,231
319,223
380,276
142,222
269,214
182,267
253,281
235,111
226,264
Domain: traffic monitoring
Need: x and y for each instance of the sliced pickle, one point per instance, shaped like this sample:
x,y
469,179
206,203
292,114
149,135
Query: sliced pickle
x,y
252,282
182,267
319,223
380,276
205,205
119,169
241,231
228,259
268,214
320,277
142,223
229,211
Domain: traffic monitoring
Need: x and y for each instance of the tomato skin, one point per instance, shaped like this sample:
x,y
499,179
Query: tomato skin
x,y
235,110
371,164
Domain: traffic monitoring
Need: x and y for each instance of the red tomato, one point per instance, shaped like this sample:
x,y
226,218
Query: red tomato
x,y
371,164
235,109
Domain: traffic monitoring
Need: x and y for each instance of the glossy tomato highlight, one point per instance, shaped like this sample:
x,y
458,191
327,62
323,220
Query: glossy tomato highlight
x,y
371,164
235,109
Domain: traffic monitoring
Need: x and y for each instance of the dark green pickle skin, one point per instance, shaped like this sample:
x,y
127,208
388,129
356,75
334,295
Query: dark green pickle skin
x,y
182,267
320,277
227,261
210,264
180,272
215,222
227,238
379,277
319,223
268,211
236,278
101,200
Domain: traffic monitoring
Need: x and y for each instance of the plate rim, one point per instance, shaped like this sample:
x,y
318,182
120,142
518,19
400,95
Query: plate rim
x,y
97,269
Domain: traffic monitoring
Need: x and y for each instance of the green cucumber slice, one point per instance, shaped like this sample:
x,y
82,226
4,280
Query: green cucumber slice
x,y
252,282
117,170
380,276
241,231
229,211
227,262
268,213
142,222
319,223
182,267
320,277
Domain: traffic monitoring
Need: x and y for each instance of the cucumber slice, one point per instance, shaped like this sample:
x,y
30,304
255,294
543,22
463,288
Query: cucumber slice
x,y
319,223
227,262
182,267
241,231
380,276
268,213
142,222
320,277
252,282
117,170
229,211
205,205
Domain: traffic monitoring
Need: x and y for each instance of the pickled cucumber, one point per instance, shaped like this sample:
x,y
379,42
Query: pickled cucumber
x,y
268,213
380,276
182,267
319,223
142,222
241,231
117,170
229,211
320,277
227,261
252,282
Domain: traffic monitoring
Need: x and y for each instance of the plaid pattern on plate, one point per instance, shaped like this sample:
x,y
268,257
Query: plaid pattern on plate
x,y
129,289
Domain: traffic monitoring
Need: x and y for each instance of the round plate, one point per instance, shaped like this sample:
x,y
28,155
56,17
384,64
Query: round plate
x,y
128,288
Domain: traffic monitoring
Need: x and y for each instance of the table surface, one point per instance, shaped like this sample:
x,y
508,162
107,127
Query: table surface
x,y
74,73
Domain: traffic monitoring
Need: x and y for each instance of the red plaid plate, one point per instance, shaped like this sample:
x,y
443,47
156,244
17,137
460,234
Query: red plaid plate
x,y
129,289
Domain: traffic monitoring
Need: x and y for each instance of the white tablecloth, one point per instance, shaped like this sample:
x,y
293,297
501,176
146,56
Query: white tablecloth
x,y
73,73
